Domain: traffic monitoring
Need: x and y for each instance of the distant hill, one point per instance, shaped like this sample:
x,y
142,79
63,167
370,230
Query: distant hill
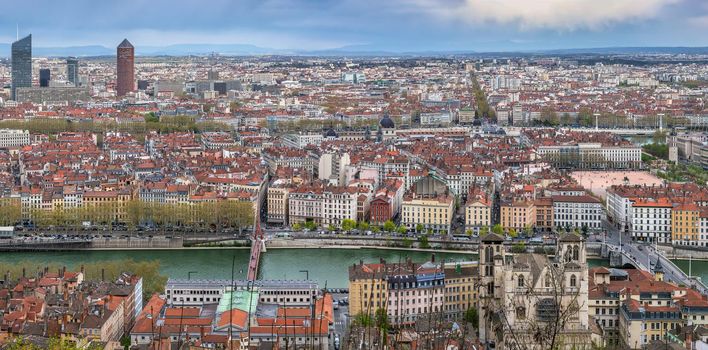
x,y
171,50
634,50
353,51
203,49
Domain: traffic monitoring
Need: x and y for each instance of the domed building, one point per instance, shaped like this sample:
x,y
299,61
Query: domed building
x,y
330,134
386,122
387,128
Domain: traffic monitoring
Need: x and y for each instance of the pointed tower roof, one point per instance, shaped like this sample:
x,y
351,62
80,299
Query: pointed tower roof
x,y
24,40
658,267
125,44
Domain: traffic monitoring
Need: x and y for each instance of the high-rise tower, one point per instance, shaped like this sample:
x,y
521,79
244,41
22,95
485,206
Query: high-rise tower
x,y
45,75
72,70
21,64
125,80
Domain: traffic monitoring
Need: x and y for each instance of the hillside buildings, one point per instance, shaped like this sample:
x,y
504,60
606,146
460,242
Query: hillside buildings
x,y
662,214
409,291
102,312
636,309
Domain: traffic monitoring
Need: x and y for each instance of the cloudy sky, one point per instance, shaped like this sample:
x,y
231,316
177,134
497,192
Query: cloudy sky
x,y
395,25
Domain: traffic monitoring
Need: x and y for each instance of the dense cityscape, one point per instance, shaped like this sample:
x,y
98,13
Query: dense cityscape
x,y
329,199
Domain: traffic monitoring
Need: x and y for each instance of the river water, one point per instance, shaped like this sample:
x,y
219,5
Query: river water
x,y
324,265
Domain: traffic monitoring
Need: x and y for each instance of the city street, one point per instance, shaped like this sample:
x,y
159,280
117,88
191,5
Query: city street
x,y
341,319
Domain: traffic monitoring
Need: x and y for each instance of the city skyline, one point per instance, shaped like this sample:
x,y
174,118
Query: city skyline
x,y
396,26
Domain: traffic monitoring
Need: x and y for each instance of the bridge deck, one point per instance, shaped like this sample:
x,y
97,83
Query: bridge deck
x,y
678,276
256,249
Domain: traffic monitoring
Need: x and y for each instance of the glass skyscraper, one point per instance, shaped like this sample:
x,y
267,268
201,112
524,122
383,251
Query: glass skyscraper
x,y
21,64
72,71
45,75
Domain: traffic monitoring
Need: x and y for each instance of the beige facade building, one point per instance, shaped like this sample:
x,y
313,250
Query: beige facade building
x,y
478,211
461,281
277,198
434,212
518,214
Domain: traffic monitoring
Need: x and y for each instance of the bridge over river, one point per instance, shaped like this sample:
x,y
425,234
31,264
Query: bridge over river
x,y
649,259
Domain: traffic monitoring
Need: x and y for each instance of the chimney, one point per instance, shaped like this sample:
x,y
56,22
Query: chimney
x,y
432,258
103,275
63,271
23,272
82,268
361,262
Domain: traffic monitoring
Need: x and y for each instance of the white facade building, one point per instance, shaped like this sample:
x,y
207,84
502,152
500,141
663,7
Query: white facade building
x,y
577,212
324,205
592,156
184,292
14,138
302,140
650,220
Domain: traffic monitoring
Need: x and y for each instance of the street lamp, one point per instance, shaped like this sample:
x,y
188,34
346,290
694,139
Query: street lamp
x,y
307,274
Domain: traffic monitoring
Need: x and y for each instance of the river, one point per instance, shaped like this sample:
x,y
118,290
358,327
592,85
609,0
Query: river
x,y
323,265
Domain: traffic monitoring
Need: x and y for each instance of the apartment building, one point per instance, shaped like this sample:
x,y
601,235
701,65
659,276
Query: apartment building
x,y
592,156
635,308
544,213
651,220
569,149
332,167
302,140
368,286
10,138
581,212
387,201
692,147
619,205
405,290
703,227
324,205
277,201
685,224
478,210
278,157
517,213
433,211
339,203
461,282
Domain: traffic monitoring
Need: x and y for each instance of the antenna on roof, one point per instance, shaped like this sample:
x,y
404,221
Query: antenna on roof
x,y
18,32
